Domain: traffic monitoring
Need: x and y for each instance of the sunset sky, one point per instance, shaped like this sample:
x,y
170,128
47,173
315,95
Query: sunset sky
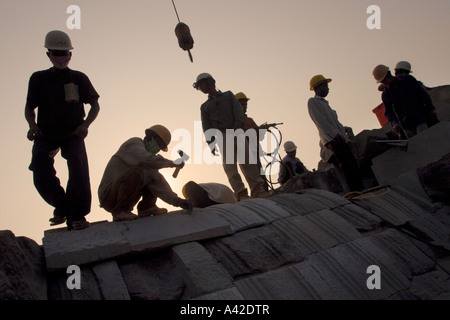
x,y
267,49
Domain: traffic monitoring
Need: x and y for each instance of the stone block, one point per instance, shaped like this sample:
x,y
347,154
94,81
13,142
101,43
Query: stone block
x,y
166,230
238,217
110,280
428,146
201,272
101,241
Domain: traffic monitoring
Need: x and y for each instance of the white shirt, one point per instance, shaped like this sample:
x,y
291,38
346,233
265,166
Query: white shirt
x,y
325,119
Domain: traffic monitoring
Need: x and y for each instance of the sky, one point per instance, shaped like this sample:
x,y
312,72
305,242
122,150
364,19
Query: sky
x,y
267,49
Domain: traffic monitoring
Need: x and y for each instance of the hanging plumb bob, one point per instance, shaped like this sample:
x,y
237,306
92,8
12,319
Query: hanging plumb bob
x,y
183,33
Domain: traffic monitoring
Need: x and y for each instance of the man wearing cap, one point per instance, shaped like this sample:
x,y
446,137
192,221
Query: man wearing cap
x,y
223,113
59,94
332,134
132,175
408,106
290,165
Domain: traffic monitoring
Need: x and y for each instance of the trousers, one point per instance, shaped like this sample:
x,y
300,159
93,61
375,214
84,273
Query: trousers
x,y
74,202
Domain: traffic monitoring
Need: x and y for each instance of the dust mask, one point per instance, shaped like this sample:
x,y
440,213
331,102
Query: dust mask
x,y
152,146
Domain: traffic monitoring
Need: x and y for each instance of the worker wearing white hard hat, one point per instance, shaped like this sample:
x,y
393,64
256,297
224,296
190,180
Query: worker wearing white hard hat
x,y
290,164
59,94
222,115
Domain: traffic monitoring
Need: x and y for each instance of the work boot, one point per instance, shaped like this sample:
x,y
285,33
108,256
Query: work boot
x,y
154,211
57,220
78,225
261,193
124,216
242,195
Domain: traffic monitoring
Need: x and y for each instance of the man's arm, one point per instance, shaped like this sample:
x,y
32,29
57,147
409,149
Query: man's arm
x,y
30,116
82,130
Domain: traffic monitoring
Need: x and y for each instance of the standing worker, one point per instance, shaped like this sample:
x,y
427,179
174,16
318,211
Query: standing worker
x,y
408,106
331,132
223,112
59,94
132,174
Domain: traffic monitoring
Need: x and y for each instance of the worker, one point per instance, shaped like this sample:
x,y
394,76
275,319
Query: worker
x,y
402,68
59,94
332,133
222,112
250,124
204,195
408,106
132,173
290,164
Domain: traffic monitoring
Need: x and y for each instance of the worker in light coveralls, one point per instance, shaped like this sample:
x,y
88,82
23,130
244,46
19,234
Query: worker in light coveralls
x,y
59,95
132,175
222,112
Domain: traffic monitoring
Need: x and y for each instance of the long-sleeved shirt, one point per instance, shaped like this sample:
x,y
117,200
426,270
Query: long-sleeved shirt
x,y
406,102
132,153
325,119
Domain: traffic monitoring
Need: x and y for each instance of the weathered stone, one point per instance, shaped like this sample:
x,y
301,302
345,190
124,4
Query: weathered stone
x,y
201,272
422,149
239,218
22,269
110,280
358,217
316,231
163,231
101,241
152,278
225,294
253,251
435,179
89,287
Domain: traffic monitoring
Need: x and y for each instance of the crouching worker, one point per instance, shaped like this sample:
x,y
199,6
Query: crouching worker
x,y
131,177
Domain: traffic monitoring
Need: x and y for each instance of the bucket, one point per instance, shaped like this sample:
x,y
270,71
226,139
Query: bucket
x,y
183,33
379,112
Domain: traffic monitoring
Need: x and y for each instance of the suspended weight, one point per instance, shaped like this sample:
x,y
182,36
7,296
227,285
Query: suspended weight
x,y
183,33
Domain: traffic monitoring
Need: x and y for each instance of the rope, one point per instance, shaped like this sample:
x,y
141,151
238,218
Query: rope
x,y
176,12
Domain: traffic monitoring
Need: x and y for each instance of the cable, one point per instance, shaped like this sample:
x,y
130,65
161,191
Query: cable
x,y
176,12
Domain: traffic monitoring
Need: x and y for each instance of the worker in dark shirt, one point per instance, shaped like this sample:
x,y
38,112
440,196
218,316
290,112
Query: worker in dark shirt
x,y
408,105
59,95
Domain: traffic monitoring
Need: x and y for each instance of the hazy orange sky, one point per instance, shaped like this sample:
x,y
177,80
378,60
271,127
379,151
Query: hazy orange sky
x,y
267,49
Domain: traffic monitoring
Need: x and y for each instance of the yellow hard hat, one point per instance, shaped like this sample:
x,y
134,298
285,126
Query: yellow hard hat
x,y
58,40
380,72
241,96
316,80
162,132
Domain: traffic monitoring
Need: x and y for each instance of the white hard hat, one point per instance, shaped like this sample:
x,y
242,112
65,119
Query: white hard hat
x,y
403,65
289,146
58,40
380,72
200,77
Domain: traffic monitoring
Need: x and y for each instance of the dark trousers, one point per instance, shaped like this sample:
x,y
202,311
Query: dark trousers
x,y
74,202
343,157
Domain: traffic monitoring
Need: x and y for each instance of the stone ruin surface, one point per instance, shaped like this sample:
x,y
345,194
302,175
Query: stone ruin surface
x,y
306,242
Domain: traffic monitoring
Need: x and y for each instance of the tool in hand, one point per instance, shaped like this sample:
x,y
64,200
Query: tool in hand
x,y
184,158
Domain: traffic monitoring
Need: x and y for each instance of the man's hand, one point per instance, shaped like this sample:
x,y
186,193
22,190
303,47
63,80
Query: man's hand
x,y
397,129
34,132
81,131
